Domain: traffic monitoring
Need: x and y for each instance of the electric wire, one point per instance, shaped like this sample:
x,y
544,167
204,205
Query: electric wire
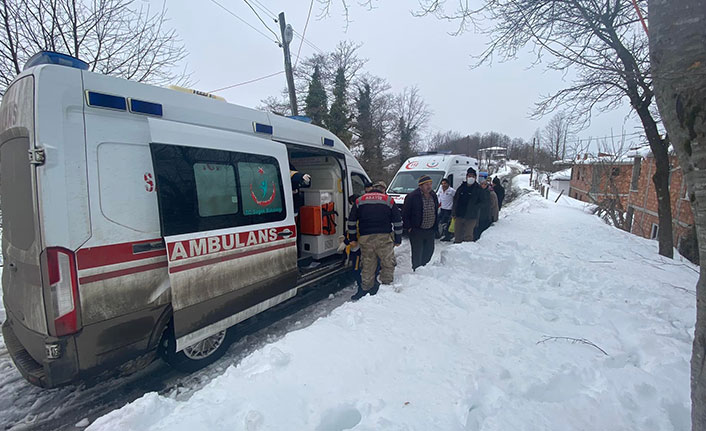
x,y
263,22
274,17
245,22
311,5
247,82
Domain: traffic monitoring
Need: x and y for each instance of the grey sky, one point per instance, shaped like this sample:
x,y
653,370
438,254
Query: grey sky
x,y
403,49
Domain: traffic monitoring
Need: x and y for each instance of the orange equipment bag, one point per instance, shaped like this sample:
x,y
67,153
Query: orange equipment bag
x,y
318,220
310,220
329,219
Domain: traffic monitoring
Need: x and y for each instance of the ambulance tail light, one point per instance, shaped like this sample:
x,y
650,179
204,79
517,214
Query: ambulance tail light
x,y
63,285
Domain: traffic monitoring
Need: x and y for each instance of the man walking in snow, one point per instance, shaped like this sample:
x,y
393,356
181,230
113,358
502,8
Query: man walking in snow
x,y
466,208
420,220
373,218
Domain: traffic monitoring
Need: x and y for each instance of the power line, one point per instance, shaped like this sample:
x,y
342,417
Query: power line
x,y
311,5
245,22
597,138
263,22
308,42
264,8
247,82
272,15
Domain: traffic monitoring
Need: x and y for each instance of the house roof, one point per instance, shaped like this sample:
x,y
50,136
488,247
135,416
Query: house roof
x,y
564,175
603,159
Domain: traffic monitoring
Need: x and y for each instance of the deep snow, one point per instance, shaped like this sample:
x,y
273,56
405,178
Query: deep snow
x,y
465,343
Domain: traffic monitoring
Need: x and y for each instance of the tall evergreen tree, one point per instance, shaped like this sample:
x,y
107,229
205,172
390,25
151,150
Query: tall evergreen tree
x,y
369,136
339,119
316,103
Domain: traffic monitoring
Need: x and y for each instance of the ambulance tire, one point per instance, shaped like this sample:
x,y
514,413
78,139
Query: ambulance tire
x,y
195,357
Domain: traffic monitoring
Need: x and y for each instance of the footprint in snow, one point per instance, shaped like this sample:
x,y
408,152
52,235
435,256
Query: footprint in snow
x,y
340,418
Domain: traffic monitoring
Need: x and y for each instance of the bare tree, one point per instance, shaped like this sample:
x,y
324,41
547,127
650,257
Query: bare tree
x,y
678,54
608,166
412,114
603,42
115,37
556,134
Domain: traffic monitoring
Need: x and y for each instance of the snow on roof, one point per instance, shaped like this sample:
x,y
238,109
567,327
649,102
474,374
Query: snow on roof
x,y
645,151
564,175
604,159
642,151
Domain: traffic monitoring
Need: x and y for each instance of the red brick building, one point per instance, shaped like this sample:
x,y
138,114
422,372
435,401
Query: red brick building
x,y
642,204
629,181
594,179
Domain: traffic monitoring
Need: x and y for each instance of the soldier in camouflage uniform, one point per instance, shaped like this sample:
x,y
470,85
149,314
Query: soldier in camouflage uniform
x,y
376,220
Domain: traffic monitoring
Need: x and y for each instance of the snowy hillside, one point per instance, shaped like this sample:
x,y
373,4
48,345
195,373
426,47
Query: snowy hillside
x,y
552,321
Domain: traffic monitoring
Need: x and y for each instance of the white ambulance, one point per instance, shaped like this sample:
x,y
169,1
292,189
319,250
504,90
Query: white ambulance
x,y
140,219
435,164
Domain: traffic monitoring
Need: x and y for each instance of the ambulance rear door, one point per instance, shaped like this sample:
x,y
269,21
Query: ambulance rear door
x,y
225,207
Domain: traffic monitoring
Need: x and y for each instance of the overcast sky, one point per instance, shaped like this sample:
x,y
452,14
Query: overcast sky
x,y
401,48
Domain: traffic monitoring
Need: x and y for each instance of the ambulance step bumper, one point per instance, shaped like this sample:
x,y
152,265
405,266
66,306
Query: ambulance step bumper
x,y
28,367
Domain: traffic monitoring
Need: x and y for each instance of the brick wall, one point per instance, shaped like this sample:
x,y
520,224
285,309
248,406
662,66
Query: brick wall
x,y
643,201
591,182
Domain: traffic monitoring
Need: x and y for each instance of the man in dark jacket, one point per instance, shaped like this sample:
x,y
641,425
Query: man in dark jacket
x,y
372,219
500,191
420,220
466,208
486,208
299,180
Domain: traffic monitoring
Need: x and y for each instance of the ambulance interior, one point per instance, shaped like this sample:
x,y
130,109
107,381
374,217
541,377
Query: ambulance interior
x,y
321,218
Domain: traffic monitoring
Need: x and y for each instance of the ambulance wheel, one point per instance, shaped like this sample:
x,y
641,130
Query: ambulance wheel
x,y
196,356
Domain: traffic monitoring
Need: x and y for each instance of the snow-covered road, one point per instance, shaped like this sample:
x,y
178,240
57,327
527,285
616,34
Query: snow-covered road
x,y
552,321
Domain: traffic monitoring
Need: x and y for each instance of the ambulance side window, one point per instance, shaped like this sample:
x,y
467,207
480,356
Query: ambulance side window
x,y
200,189
260,188
215,189
358,183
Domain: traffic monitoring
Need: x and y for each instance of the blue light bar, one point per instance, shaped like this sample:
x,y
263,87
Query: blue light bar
x,y
48,57
142,107
263,128
328,142
101,100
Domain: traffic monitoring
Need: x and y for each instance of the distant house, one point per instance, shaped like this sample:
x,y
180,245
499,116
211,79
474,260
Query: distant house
x,y
642,204
491,159
561,181
627,183
595,179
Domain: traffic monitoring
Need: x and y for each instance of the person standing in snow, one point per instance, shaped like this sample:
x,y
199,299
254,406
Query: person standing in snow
x,y
488,207
419,218
354,252
372,220
466,208
446,201
500,191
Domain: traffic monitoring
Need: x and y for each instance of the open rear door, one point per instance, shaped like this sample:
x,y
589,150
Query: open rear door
x,y
225,212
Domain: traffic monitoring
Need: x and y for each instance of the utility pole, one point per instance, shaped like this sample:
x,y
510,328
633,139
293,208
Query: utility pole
x,y
287,35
